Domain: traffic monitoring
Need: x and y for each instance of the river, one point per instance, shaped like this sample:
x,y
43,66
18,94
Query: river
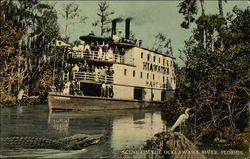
x,y
123,129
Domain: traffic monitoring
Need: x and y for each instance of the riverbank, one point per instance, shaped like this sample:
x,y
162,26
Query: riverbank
x,y
26,101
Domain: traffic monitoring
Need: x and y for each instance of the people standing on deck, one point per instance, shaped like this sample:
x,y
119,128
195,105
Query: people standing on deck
x,y
73,88
97,72
122,55
71,72
109,55
116,53
103,89
67,68
103,73
75,68
66,88
100,54
81,68
109,91
87,51
109,71
105,50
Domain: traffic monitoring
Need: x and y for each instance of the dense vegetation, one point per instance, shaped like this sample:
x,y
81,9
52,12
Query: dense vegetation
x,y
28,32
215,79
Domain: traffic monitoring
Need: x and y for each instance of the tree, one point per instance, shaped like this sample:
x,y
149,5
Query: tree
x,y
104,15
70,14
162,44
220,6
29,30
188,8
219,77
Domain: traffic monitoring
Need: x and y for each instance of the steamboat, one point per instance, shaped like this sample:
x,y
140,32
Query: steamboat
x,y
113,73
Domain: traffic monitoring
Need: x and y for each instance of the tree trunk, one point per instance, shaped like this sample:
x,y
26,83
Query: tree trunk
x,y
202,7
220,7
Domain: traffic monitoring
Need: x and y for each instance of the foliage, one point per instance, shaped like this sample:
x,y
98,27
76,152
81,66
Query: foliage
x,y
162,44
104,15
71,13
28,33
44,83
242,138
217,77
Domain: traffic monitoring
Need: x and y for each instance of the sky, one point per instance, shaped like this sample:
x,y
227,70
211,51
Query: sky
x,y
149,19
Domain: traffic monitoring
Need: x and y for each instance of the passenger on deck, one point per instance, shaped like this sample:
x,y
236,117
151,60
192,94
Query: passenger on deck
x,y
122,55
73,88
75,68
105,48
109,55
110,92
103,90
85,67
66,87
97,72
67,68
81,68
100,54
109,71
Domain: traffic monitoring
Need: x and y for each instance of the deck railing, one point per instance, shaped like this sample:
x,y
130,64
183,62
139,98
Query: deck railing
x,y
95,55
66,76
89,76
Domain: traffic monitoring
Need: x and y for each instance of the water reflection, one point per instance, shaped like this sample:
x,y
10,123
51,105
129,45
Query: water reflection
x,y
134,129
121,128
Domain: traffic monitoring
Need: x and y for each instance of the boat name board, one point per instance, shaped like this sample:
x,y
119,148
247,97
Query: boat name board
x,y
154,68
155,84
62,98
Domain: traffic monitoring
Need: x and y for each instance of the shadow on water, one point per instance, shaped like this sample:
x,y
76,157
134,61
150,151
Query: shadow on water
x,y
121,128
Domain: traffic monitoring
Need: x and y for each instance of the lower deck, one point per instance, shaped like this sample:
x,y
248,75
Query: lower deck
x,y
117,91
59,101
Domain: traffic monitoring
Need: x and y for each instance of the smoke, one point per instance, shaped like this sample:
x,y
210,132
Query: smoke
x,y
130,18
118,20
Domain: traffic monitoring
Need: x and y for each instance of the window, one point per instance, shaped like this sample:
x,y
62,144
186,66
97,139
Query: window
x,y
134,73
125,72
147,76
159,60
163,79
167,71
154,59
141,74
163,62
167,62
148,57
153,76
141,55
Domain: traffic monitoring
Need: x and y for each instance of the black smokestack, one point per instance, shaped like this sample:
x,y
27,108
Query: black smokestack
x,y
127,28
113,31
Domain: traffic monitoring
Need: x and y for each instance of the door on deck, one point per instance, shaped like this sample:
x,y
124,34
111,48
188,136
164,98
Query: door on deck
x,y
163,95
91,89
138,93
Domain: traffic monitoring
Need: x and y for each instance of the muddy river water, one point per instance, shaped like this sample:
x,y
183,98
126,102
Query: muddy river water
x,y
123,129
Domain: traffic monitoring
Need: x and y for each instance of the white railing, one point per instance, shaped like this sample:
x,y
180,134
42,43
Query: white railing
x,y
66,76
95,55
96,77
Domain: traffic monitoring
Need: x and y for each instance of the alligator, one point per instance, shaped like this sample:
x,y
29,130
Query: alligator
x,y
75,142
